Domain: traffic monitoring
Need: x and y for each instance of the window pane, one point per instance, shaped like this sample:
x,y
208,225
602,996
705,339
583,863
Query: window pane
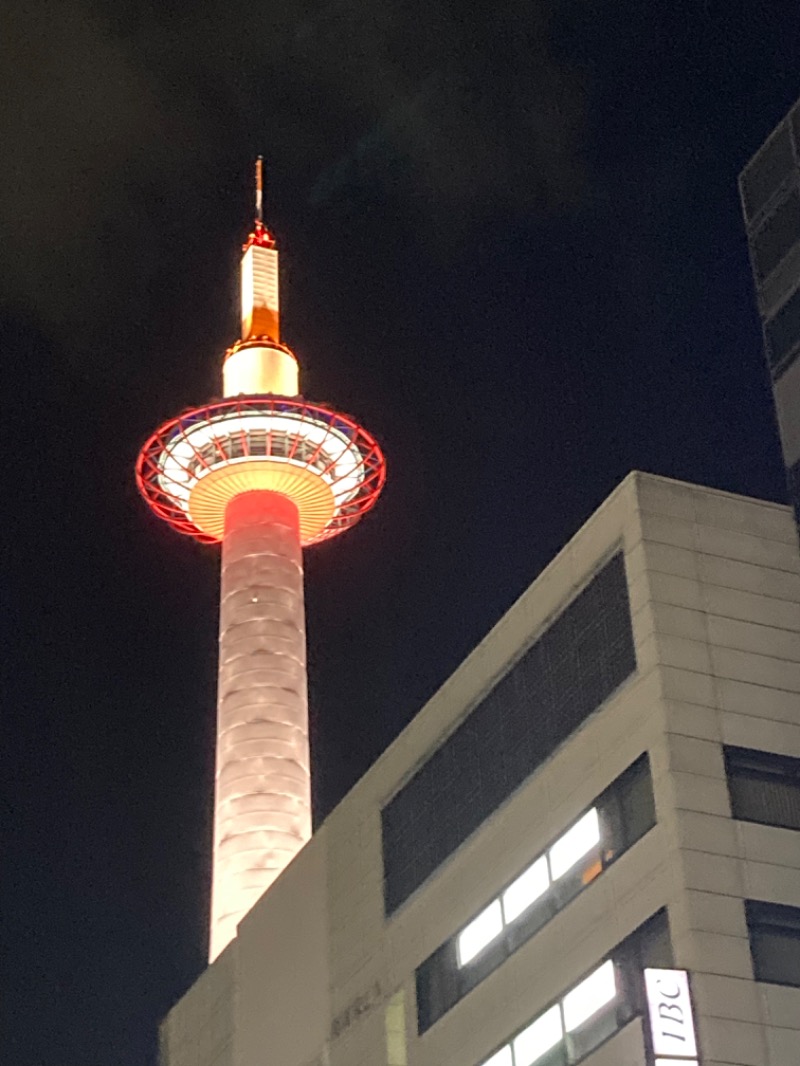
x,y
774,941
533,1042
584,1040
480,932
575,843
773,800
590,996
777,235
768,170
637,805
776,956
527,888
655,944
783,333
763,915
793,478
764,787
437,986
500,1058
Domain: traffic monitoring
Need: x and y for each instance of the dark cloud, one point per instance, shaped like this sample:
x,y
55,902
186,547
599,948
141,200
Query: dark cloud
x,y
85,126
110,110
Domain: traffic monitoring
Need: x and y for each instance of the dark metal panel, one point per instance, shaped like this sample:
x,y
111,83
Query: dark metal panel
x,y
766,173
782,334
585,654
779,232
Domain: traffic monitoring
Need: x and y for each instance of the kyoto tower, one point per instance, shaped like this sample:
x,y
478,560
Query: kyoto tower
x,y
267,474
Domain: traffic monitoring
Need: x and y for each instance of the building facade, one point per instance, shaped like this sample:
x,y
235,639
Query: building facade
x,y
584,848
770,192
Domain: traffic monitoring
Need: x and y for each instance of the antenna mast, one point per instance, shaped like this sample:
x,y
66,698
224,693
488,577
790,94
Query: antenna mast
x,y
260,188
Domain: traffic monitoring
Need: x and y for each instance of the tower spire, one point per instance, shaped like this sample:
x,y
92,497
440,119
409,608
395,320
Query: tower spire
x,y
258,363
259,190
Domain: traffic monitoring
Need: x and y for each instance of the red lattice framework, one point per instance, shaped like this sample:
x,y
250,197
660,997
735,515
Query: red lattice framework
x,y
167,498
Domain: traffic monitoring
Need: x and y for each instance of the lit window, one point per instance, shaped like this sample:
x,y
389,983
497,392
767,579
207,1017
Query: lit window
x,y
527,888
500,1058
538,1038
590,995
480,932
574,844
625,811
676,1062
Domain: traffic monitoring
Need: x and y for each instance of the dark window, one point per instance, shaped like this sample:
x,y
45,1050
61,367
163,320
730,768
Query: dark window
x,y
585,654
650,946
630,805
793,479
626,812
764,787
779,232
774,942
767,172
782,334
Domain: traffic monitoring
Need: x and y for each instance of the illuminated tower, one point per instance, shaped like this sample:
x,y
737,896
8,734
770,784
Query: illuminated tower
x,y
267,474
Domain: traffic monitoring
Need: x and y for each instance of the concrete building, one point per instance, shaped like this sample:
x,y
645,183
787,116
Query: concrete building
x,y
603,799
770,190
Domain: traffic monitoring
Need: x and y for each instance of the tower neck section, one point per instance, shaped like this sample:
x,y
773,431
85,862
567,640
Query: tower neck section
x,y
258,364
262,805
260,287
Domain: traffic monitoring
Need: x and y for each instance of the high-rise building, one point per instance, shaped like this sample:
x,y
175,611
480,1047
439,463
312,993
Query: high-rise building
x,y
584,848
267,473
770,191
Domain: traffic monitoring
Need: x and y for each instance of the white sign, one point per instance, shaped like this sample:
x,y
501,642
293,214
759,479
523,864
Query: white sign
x,y
671,1017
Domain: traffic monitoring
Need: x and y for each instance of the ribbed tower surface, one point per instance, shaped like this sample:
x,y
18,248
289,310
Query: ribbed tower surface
x,y
263,787
266,473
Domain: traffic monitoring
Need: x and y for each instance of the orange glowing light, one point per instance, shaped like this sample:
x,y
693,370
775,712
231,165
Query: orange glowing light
x,y
259,366
306,489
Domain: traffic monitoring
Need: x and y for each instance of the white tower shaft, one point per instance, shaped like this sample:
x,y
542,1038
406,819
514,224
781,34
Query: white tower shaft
x,y
262,809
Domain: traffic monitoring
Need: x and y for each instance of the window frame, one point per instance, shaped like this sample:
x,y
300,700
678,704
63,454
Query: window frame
x,y
751,764
442,980
629,959
773,918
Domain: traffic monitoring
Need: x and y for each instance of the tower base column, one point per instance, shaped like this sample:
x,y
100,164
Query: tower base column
x,y
262,808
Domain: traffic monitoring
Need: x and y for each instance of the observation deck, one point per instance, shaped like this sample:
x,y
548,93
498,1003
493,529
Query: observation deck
x,y
195,464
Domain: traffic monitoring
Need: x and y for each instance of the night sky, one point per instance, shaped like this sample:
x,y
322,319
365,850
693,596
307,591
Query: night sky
x,y
511,245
